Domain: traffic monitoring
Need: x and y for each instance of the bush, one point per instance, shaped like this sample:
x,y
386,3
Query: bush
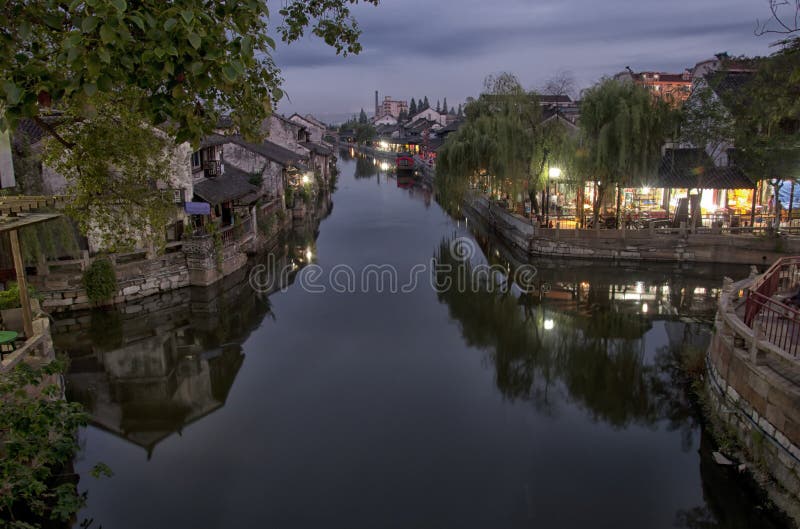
x,y
9,298
38,442
100,280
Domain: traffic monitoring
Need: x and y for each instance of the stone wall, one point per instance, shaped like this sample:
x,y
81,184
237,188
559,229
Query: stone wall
x,y
752,395
636,245
63,290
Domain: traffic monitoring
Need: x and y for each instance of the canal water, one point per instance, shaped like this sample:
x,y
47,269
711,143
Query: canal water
x,y
315,401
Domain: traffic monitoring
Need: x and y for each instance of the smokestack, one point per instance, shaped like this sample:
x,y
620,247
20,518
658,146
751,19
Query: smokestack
x,y
377,114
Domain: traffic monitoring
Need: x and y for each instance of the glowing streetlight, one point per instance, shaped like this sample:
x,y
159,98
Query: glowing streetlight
x,y
549,325
553,174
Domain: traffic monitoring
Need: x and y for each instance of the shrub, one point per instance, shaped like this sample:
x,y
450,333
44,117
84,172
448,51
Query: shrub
x,y
38,442
100,280
9,298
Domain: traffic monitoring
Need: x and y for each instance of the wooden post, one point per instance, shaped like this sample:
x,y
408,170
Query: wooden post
x,y
791,203
24,300
753,207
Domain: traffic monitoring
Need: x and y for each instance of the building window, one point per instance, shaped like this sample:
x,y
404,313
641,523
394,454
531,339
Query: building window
x,y
196,160
178,196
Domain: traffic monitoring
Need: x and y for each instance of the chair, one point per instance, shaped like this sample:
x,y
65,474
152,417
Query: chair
x,y
7,342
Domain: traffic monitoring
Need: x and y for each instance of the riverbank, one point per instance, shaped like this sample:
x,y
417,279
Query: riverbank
x,y
752,386
198,260
676,245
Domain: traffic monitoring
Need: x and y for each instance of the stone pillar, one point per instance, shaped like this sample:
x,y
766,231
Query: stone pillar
x,y
758,334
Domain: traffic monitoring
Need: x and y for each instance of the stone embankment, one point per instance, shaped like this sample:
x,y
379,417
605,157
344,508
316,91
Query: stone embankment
x,y
753,394
196,261
670,245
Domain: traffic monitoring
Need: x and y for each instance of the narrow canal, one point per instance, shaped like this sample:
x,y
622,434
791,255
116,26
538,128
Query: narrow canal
x,y
479,407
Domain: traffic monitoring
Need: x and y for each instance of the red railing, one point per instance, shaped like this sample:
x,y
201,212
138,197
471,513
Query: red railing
x,y
779,322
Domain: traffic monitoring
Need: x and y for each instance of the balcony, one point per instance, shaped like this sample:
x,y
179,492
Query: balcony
x,y
212,168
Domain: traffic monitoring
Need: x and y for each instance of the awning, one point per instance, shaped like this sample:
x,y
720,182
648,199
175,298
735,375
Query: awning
x,y
198,208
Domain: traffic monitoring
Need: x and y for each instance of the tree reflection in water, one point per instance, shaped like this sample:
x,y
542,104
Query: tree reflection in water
x,y
575,340
578,335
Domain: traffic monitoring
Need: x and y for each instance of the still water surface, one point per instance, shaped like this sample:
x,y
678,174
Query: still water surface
x,y
562,408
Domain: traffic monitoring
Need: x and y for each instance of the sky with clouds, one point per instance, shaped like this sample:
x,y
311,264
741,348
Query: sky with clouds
x,y
445,48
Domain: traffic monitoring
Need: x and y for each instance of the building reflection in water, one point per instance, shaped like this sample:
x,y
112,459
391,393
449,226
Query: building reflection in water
x,y
147,370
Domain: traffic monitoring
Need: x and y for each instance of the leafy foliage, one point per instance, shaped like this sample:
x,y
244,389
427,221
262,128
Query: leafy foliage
x,y
9,298
100,75
38,432
767,116
190,59
100,280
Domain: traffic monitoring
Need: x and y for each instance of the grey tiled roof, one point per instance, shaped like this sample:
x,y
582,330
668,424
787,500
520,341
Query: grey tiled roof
x,y
231,185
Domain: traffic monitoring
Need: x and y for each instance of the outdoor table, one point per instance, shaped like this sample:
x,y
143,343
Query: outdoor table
x,y
7,339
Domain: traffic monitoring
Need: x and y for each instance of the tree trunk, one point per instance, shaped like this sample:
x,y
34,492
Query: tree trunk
x,y
619,205
777,187
598,203
753,208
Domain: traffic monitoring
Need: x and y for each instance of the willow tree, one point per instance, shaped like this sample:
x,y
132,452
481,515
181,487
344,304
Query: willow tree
x,y
495,142
623,128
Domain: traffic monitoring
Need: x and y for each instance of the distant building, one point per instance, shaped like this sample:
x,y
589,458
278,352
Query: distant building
x,y
561,105
392,107
674,88
385,120
430,114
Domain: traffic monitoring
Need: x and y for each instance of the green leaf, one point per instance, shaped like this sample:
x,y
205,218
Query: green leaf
x,y
136,19
107,34
121,5
169,24
194,40
270,41
90,89
229,72
13,92
89,23
104,55
196,67
277,94
247,45
187,16
104,83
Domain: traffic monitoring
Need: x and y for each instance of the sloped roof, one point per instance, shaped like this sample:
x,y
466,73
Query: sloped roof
x,y
267,149
317,148
693,168
551,99
232,184
271,151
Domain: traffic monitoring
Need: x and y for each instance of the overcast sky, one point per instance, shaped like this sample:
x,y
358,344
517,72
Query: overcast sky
x,y
445,48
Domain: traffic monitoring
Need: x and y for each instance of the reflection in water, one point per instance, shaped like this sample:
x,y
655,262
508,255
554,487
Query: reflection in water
x,y
578,336
561,405
573,336
151,368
